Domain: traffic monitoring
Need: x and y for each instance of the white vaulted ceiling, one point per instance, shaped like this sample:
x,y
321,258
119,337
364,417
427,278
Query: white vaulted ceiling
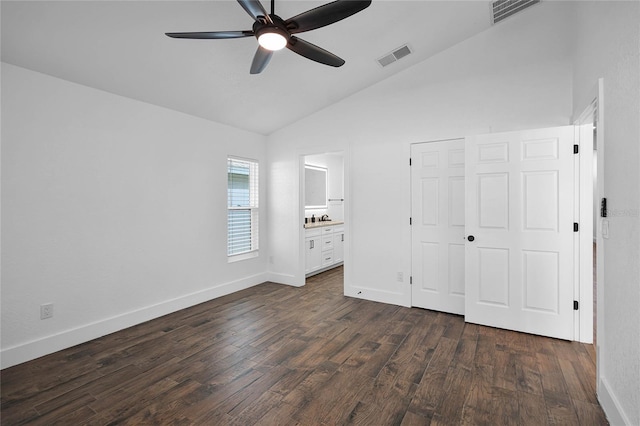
x,y
120,47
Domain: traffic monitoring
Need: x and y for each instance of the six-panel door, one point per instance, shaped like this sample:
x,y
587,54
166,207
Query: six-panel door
x,y
437,187
519,271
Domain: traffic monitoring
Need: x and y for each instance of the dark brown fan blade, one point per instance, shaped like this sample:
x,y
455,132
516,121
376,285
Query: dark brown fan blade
x,y
324,15
212,34
260,60
255,9
313,52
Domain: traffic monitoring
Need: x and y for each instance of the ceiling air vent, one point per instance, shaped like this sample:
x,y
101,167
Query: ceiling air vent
x,y
502,9
397,54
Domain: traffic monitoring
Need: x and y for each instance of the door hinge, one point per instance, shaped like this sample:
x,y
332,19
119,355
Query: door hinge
x,y
576,149
410,280
409,160
575,305
576,227
410,222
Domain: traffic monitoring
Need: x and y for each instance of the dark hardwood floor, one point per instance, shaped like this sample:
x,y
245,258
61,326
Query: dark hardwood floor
x,y
279,355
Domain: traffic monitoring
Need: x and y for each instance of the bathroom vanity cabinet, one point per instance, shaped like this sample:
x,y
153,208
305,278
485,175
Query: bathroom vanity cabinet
x,y
324,246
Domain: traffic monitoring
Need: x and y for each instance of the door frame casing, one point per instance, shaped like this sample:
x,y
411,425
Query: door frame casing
x,y
346,173
594,103
584,283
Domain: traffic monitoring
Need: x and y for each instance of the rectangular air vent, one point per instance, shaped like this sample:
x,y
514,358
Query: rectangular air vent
x,y
397,54
502,9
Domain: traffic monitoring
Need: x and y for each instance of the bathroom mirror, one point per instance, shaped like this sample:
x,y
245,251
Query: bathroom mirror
x,y
315,187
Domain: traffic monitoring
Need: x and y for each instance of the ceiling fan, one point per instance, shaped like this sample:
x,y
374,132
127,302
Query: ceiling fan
x,y
274,33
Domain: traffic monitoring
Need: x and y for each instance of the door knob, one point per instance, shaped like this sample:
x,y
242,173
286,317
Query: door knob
x,y
471,238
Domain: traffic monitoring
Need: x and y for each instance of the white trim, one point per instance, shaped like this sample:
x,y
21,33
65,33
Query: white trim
x,y
577,208
66,339
242,256
611,406
584,316
376,295
285,279
600,253
605,397
300,278
346,183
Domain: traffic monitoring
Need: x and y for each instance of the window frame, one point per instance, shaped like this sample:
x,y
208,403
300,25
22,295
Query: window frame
x,y
253,207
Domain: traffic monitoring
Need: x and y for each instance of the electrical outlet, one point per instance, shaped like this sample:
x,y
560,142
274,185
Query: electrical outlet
x,y
400,277
46,311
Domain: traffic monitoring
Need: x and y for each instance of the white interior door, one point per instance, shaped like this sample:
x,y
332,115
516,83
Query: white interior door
x,y
519,272
437,232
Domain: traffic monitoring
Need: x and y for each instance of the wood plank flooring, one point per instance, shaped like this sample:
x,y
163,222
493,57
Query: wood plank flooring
x,y
279,355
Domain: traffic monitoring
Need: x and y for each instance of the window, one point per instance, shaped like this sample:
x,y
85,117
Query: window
x,y
242,207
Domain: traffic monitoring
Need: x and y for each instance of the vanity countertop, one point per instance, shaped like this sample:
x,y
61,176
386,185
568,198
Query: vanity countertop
x,y
312,225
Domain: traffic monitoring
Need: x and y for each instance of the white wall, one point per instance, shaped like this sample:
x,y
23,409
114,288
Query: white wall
x,y
112,209
608,46
513,76
109,205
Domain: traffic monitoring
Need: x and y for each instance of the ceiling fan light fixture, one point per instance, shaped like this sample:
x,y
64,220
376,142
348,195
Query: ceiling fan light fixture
x,y
272,38
274,33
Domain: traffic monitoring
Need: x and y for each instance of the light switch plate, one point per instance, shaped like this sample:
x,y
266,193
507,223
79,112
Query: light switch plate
x,y
605,228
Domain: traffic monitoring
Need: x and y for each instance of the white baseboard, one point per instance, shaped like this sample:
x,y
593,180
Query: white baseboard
x,y
286,279
86,332
375,295
614,412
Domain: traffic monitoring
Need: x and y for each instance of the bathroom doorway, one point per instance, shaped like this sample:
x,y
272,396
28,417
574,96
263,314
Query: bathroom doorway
x,y
324,214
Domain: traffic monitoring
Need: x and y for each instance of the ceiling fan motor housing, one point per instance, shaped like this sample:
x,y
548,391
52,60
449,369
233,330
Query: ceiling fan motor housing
x,y
261,27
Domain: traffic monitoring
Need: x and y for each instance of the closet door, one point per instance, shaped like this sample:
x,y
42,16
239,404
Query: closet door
x,y
437,232
519,272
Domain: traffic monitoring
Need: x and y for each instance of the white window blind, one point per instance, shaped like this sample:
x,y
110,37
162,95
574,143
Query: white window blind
x,y
242,206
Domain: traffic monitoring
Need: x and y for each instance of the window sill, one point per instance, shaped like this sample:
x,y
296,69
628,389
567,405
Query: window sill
x,y
242,256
